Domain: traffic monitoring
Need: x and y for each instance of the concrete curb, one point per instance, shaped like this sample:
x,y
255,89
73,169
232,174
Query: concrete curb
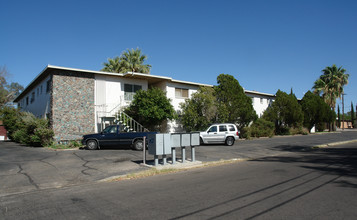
x,y
334,144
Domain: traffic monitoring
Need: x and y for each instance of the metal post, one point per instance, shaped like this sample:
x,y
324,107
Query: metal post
x,y
156,158
193,156
173,151
164,161
183,154
144,150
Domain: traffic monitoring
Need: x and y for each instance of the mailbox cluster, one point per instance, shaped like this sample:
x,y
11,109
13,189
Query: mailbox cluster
x,y
165,144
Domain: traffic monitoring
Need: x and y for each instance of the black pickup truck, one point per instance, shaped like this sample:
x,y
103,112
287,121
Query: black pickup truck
x,y
114,135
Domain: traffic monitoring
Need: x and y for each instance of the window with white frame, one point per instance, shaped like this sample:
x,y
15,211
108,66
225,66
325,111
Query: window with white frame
x,y
130,90
181,93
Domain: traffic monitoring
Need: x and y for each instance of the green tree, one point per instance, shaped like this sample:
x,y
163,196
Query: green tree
x,y
330,84
232,103
200,110
113,65
285,112
316,111
129,61
133,61
151,108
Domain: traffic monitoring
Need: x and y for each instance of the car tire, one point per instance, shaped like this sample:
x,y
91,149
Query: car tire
x,y
229,141
92,145
138,145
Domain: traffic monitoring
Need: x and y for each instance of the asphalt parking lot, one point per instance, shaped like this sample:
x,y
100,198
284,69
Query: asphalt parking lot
x,y
25,169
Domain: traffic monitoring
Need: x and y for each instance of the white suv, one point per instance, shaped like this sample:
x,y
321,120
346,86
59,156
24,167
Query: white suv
x,y
220,133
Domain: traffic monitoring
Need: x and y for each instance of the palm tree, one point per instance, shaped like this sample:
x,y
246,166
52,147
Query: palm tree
x,y
133,61
112,66
331,83
129,61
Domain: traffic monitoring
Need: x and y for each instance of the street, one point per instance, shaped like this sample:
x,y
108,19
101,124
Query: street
x,y
298,183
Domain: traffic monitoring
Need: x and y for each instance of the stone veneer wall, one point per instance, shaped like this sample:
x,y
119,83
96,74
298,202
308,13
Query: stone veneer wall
x,y
72,104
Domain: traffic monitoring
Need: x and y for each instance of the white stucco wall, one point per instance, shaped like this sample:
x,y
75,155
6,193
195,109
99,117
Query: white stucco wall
x,y
173,126
41,104
170,93
109,95
260,103
109,90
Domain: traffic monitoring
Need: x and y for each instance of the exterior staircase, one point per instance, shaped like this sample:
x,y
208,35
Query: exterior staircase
x,y
117,116
130,125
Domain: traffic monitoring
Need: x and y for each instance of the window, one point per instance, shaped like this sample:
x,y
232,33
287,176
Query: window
x,y
222,128
253,101
261,100
27,100
32,97
213,129
41,89
231,128
181,93
130,90
110,129
48,86
38,91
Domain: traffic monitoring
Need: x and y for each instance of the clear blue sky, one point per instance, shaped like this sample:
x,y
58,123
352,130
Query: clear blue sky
x,y
266,45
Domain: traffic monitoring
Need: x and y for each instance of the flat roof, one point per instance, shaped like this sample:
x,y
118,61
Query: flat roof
x,y
151,78
259,93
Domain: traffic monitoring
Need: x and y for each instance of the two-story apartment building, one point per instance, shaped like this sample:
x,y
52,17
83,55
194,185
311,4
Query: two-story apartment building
x,y
79,101
260,101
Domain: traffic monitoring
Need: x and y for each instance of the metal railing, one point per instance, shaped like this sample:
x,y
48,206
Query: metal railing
x,y
129,123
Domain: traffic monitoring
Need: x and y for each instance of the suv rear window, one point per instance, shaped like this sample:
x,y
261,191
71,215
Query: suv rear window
x,y
231,128
222,128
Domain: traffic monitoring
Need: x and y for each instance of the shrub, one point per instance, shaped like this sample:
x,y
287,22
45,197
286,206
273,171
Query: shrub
x,y
245,133
11,118
25,128
262,128
42,136
283,130
320,127
298,130
20,136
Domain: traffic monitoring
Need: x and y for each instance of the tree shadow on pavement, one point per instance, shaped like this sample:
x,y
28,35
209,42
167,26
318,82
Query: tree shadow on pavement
x,y
336,161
